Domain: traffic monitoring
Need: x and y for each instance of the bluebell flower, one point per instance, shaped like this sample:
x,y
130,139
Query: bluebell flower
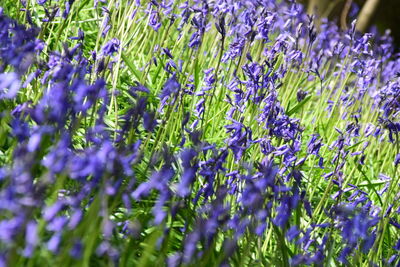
x,y
171,86
57,224
159,209
174,260
111,47
157,181
292,233
76,250
154,20
54,243
75,218
31,238
9,85
20,129
50,212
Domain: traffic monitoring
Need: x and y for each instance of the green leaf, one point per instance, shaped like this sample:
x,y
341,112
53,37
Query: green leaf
x,y
356,144
131,66
372,183
368,183
298,106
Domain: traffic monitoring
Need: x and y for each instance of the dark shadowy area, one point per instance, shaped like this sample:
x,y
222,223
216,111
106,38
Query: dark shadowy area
x,y
387,15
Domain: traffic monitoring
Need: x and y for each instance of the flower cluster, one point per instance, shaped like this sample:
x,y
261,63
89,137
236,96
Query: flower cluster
x,y
196,132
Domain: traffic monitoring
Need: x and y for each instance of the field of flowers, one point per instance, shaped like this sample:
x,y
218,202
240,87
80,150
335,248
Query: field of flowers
x,y
195,133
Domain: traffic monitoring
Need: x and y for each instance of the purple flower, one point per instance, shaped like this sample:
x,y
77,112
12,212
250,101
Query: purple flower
x,y
9,85
21,129
283,213
57,224
50,212
220,25
171,86
149,121
292,233
87,95
174,260
159,209
189,172
157,181
154,20
54,242
397,159
111,47
80,37
10,228
344,254
138,88
190,246
76,250
75,218
31,238
58,157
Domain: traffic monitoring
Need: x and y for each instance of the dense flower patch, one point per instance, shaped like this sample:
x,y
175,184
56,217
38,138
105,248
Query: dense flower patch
x,y
195,133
